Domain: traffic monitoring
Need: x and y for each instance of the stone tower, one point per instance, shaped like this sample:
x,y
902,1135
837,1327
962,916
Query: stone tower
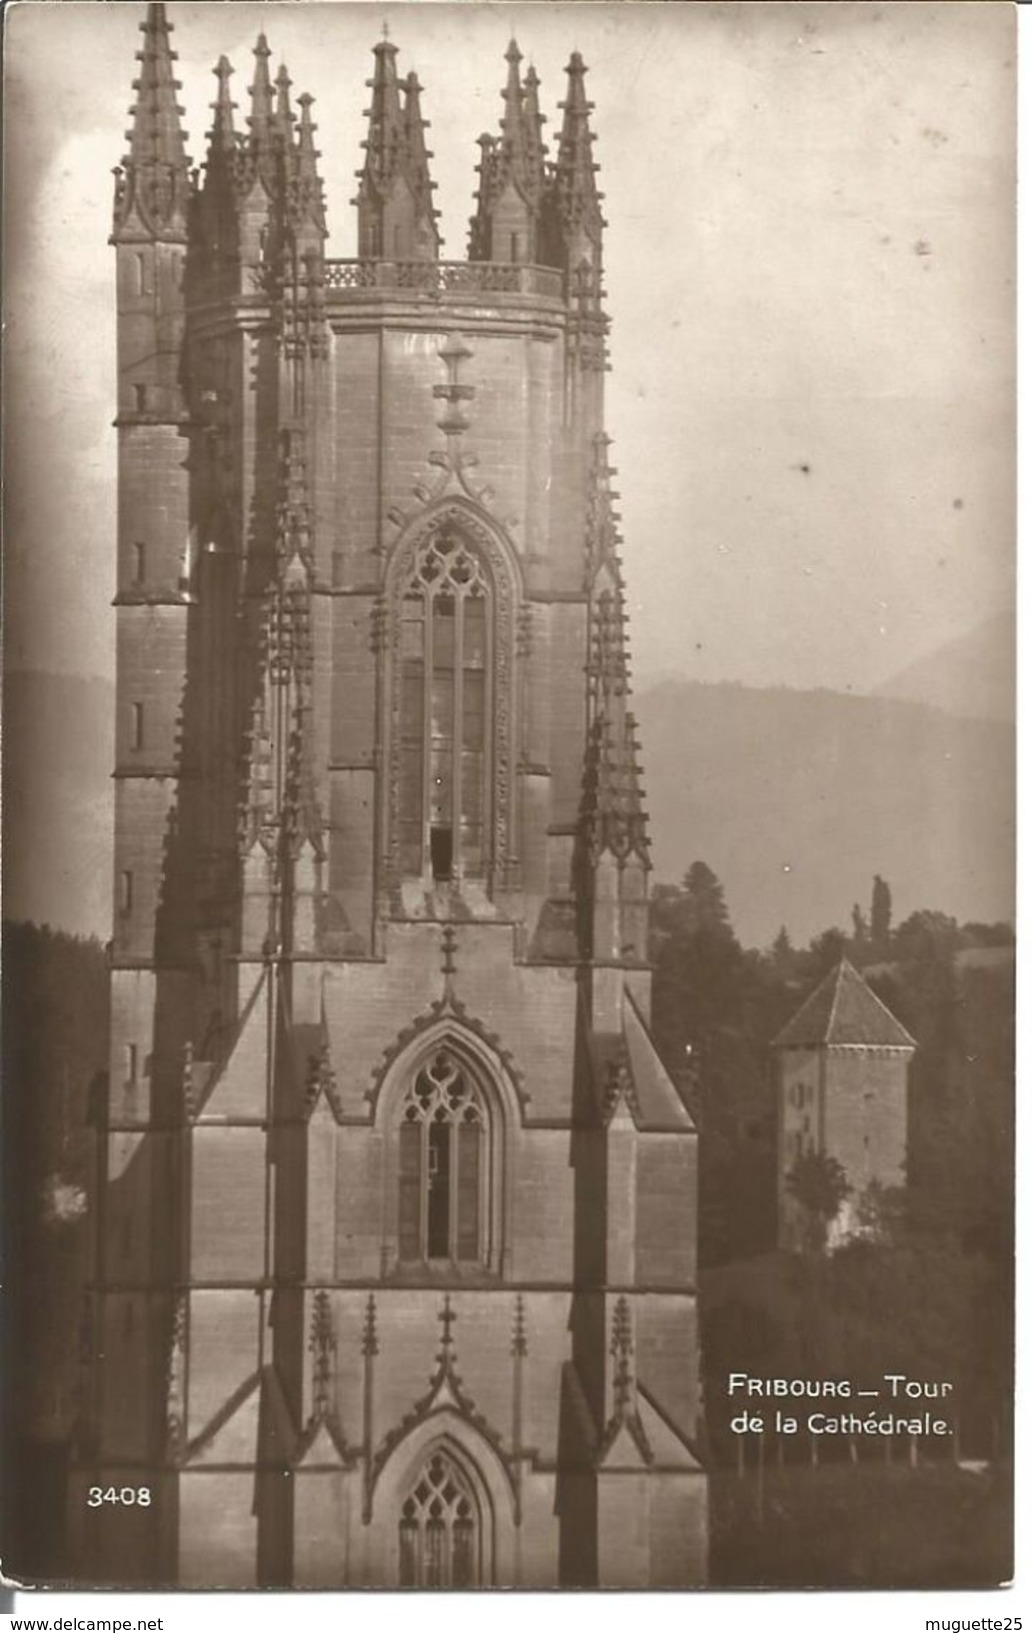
x,y
842,1064
395,1270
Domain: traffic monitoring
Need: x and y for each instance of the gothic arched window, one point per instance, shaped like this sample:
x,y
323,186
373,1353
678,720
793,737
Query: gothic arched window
x,y
446,663
442,1167
439,1531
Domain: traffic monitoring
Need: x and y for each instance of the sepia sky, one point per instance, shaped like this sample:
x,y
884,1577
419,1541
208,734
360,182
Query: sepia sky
x,y
810,275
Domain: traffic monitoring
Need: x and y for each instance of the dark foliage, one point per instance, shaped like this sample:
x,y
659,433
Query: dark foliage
x,y
55,1039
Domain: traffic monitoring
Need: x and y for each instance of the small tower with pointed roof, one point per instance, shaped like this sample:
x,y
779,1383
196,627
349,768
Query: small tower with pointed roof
x,y
841,1065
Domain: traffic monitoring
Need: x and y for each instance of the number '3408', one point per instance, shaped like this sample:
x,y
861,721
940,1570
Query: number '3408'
x,y
125,1496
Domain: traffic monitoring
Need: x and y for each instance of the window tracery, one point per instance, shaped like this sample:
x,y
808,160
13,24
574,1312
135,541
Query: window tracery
x,y
442,1206
445,656
439,1532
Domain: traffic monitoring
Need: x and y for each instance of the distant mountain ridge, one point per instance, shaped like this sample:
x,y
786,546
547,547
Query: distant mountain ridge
x,y
973,676
795,799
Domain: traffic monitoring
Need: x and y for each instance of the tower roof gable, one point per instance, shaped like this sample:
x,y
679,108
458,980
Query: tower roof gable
x,y
843,1010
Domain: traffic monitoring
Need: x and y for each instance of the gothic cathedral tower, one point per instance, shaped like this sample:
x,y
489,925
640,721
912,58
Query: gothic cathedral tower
x,y
395,1270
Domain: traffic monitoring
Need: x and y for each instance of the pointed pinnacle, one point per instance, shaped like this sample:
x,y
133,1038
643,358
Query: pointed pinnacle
x,y
512,117
222,129
306,129
284,113
260,117
157,171
385,116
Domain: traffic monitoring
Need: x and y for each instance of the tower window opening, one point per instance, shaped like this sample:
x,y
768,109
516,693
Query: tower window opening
x,y
442,1212
445,661
130,1063
140,398
139,563
136,726
441,853
125,891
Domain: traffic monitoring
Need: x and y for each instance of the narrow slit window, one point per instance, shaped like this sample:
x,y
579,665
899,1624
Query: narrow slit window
x,y
139,562
125,891
140,398
130,1063
136,726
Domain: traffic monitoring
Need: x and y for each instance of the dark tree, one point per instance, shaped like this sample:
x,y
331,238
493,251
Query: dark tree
x,y
824,952
881,913
782,955
819,1183
715,1009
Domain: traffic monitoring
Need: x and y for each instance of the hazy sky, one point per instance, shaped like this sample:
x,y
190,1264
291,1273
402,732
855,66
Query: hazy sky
x,y
810,274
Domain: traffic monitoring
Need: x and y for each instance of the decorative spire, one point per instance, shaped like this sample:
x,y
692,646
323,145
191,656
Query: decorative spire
x,y
189,1086
625,1413
534,121
396,218
152,186
223,135
621,1348
513,160
519,1328
322,1346
294,533
577,195
370,1340
417,156
279,802
514,130
261,118
320,1081
310,203
613,806
608,662
386,136
618,1087
446,1353
284,116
